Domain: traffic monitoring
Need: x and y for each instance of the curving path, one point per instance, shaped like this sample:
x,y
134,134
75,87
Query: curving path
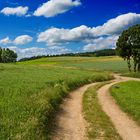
x,y
71,124
70,121
125,126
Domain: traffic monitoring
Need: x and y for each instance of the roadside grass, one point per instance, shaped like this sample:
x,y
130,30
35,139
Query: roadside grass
x,y
30,95
127,96
99,125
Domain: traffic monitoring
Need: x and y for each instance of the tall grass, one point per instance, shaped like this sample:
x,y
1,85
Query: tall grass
x,y
29,96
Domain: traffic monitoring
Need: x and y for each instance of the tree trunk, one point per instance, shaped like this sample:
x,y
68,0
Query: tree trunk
x,y
135,67
138,67
129,64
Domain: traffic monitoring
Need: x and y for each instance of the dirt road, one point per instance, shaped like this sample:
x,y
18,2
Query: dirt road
x,y
125,126
72,126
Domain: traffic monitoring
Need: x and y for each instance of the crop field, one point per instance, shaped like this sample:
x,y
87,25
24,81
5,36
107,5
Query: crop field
x,y
110,63
31,91
127,95
29,95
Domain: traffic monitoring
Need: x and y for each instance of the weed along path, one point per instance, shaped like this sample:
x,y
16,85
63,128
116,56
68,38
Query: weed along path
x,y
126,127
70,121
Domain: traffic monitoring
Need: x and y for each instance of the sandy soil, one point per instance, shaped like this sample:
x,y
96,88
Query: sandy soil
x,y
125,126
71,124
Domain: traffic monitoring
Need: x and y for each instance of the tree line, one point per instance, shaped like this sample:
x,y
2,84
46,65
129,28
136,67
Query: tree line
x,y
106,52
7,55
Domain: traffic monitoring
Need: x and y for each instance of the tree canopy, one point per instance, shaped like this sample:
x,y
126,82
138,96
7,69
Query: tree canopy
x,y
7,56
128,47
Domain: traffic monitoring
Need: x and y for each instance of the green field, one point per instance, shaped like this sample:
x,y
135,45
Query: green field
x,y
110,63
127,95
29,95
31,91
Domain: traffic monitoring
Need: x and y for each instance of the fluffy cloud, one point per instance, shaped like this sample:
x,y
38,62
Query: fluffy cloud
x,y
28,52
5,41
118,24
101,43
23,39
54,36
35,51
18,11
83,33
55,7
20,40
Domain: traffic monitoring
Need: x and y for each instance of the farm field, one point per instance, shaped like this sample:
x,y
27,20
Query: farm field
x,y
109,63
127,95
30,95
31,91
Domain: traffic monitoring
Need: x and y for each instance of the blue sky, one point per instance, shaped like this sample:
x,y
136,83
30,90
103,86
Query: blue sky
x,y
59,26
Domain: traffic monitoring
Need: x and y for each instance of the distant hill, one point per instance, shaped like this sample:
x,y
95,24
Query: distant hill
x,y
105,52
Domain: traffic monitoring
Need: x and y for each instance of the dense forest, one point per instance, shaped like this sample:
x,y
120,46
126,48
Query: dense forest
x,y
7,55
106,52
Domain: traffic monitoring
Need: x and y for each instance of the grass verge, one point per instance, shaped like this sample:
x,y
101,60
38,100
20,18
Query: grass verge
x,y
99,124
127,96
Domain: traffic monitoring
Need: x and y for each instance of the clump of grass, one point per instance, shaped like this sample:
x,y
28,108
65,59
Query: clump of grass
x,y
127,95
99,124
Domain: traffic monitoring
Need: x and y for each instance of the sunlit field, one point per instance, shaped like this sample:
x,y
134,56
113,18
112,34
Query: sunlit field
x,y
29,96
110,63
31,91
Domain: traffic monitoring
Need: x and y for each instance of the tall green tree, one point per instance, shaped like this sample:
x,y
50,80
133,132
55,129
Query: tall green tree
x,y
7,56
128,46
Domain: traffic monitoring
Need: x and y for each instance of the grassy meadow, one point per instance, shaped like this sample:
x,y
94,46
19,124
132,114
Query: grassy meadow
x,y
109,63
31,91
30,94
127,95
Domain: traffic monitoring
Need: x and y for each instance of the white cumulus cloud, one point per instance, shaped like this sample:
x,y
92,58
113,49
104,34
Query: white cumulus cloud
x,y
55,7
118,24
19,40
5,41
36,51
101,43
90,35
18,11
55,35
23,39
